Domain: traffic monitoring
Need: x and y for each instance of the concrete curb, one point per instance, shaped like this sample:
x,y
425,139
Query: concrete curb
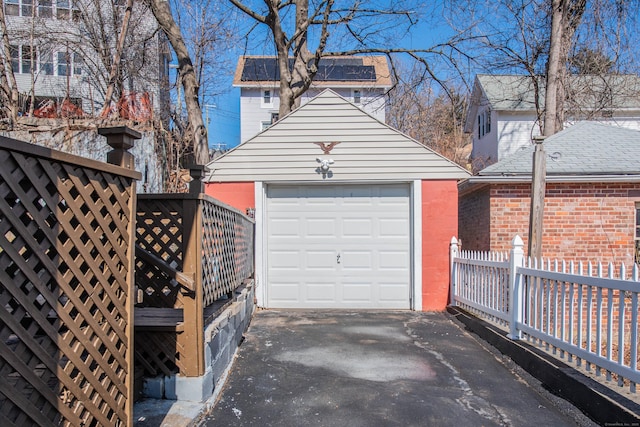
x,y
602,404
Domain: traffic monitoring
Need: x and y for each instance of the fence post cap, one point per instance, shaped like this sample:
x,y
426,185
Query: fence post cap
x,y
454,241
517,241
120,137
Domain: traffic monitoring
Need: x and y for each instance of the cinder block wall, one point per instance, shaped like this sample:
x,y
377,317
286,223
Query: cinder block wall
x,y
582,221
222,336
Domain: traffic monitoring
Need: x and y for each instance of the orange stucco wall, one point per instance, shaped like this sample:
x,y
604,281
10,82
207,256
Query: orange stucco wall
x,y
240,195
439,224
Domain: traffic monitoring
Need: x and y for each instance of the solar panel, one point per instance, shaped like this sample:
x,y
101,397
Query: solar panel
x,y
333,69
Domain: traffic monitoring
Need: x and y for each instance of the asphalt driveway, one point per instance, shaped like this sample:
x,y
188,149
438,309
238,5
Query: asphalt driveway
x,y
337,368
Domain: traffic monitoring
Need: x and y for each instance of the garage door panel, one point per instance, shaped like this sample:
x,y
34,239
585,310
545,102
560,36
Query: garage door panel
x,y
285,227
356,261
281,260
357,292
393,260
282,292
318,292
320,260
393,227
318,227
368,226
357,227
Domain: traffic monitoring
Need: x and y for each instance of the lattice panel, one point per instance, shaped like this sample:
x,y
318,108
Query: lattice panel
x,y
64,264
158,353
227,248
159,231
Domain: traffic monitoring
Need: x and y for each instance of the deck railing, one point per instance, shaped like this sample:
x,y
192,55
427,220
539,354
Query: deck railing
x,y
66,270
586,314
192,252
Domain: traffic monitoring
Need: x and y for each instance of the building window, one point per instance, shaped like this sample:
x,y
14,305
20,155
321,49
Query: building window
x,y
267,98
68,64
15,58
357,96
18,7
26,58
264,125
484,123
64,9
46,63
45,8
275,117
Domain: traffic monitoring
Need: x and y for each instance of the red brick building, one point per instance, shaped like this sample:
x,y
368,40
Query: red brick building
x,y
591,201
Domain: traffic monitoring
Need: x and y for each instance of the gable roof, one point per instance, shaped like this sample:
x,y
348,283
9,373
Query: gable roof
x,y
364,149
590,93
584,149
257,71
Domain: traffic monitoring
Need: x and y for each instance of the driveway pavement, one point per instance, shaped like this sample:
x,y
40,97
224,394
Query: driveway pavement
x,y
336,368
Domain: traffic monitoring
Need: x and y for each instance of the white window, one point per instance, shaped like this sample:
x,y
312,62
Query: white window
x,y
68,64
18,7
264,124
484,123
267,99
357,96
46,63
61,9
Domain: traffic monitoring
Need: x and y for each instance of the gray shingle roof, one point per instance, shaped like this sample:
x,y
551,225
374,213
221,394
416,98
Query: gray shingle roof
x,y
516,92
586,148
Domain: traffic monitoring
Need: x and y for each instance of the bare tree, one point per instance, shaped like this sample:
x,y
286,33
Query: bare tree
x,y
565,18
115,64
8,85
418,108
162,11
337,28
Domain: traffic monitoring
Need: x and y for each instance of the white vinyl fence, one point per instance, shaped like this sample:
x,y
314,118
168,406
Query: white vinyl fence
x,y
580,312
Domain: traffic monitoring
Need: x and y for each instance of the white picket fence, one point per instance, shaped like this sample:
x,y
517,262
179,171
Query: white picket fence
x,y
577,311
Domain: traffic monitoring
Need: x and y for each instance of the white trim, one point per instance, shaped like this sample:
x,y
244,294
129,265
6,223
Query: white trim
x,y
488,179
260,249
416,242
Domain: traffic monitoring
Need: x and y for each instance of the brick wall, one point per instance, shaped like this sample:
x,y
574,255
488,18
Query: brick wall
x,y
474,220
582,221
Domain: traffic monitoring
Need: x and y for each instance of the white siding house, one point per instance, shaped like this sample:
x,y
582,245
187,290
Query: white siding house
x,y
502,116
56,47
349,212
362,80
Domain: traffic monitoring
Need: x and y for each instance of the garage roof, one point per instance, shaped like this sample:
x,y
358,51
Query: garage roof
x,y
330,127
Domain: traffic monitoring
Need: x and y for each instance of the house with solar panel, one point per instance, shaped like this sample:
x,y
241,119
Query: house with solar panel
x,y
503,110
363,80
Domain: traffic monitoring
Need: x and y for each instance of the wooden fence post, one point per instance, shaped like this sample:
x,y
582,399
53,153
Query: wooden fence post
x,y
516,259
192,339
453,253
122,139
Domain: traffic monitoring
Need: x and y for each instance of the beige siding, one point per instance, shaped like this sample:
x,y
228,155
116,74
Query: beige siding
x,y
367,150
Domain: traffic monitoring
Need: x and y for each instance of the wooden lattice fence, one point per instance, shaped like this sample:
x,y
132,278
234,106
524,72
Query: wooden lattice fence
x,y
66,271
192,251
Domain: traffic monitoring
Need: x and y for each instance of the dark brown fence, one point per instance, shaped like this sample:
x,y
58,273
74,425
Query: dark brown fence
x,y
193,251
66,268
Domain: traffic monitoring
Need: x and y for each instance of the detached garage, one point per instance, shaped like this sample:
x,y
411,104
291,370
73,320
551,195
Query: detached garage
x,y
350,213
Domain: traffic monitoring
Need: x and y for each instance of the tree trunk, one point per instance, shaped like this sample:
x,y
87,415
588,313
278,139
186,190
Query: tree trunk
x,y
565,17
115,65
551,124
8,82
162,11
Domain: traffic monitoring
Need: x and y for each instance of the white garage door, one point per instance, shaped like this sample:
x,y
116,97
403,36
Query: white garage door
x,y
338,246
